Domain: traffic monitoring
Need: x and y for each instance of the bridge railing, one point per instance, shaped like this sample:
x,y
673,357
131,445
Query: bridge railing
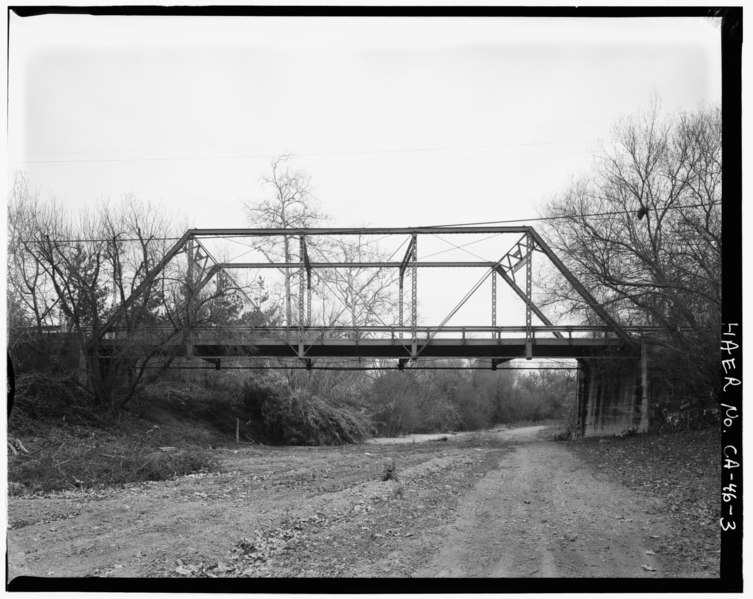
x,y
314,334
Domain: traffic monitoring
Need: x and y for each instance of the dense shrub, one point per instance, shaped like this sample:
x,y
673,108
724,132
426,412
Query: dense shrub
x,y
43,396
298,416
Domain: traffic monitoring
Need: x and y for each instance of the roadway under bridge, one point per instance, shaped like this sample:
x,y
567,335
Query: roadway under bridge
x,y
610,398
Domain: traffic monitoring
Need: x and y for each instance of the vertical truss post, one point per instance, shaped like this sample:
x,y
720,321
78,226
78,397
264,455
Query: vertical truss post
x,y
529,269
409,256
414,296
191,263
308,301
494,305
303,257
190,292
307,265
400,305
300,284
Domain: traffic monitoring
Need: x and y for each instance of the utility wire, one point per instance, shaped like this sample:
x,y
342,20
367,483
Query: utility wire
x,y
427,227
457,246
310,154
443,132
461,248
548,218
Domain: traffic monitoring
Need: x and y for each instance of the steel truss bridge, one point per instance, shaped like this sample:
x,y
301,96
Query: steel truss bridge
x,y
406,341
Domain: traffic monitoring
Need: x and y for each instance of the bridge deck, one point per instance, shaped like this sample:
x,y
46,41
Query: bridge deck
x,y
437,348
389,342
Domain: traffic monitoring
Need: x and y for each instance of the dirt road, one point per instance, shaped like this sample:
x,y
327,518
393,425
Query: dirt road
x,y
497,504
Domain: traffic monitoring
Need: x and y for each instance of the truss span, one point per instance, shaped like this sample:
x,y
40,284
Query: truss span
x,y
402,337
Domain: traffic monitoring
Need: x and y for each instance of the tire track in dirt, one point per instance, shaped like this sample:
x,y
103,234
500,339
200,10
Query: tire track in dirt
x,y
541,513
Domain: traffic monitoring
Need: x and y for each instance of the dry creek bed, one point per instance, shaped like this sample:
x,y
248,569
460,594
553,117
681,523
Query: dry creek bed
x,y
503,504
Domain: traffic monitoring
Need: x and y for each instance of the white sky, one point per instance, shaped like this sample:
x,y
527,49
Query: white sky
x,y
399,122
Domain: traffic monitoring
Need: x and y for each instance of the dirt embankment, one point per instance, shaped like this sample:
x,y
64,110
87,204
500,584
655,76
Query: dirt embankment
x,y
504,504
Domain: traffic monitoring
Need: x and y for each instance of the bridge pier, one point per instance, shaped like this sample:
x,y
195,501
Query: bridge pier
x,y
612,396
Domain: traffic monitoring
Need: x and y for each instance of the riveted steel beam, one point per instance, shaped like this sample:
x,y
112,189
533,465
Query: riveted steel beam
x,y
311,231
494,305
307,266
529,292
414,296
365,264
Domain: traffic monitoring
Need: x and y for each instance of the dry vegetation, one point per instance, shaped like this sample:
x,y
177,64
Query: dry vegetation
x,y
71,445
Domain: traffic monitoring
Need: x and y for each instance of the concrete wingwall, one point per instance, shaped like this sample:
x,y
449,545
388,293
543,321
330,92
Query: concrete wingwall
x,y
612,397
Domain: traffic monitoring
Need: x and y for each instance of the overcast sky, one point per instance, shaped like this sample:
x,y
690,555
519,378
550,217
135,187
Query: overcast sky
x,y
399,121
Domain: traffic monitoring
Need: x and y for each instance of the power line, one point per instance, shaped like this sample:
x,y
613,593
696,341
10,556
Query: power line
x,y
462,247
459,247
310,154
479,223
443,132
570,217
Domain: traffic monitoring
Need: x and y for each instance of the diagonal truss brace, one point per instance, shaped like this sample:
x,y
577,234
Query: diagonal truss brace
x,y
184,244
578,286
533,307
145,283
217,267
509,264
515,258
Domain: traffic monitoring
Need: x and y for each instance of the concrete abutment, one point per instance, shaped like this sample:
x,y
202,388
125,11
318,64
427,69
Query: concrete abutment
x,y
612,396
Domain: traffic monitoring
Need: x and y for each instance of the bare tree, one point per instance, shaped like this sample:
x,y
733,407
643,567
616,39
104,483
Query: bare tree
x,y
643,233
72,276
31,300
354,296
358,296
291,206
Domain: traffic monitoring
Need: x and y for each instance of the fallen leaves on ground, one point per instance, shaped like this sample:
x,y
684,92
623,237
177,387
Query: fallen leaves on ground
x,y
682,473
